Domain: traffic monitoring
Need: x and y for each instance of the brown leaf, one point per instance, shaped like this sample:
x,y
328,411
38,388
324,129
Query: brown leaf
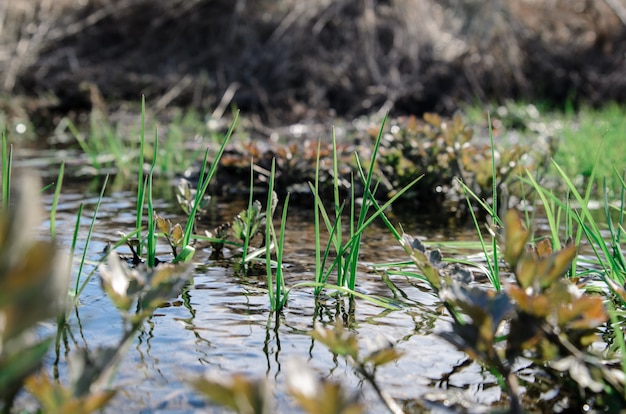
x,y
585,312
515,237
553,267
177,234
433,119
536,305
544,248
162,224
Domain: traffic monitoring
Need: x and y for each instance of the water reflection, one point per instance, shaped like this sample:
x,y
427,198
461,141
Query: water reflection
x,y
222,321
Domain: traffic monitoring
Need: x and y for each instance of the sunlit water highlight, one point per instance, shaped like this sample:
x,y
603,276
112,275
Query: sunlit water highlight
x,y
222,323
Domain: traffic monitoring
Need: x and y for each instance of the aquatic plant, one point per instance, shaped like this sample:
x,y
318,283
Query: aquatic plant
x,y
346,253
33,288
312,393
248,224
445,150
345,344
550,320
191,201
275,283
173,233
246,395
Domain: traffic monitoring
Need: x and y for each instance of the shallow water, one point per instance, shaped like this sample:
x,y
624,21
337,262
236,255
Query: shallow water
x,y
222,323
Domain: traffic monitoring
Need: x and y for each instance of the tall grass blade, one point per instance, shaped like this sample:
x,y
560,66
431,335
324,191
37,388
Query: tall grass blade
x,y
317,205
140,180
7,157
336,233
246,240
494,199
269,238
151,243
281,293
203,182
355,237
77,290
55,200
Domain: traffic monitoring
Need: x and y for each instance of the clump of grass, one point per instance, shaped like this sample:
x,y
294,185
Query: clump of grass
x,y
192,203
346,253
249,223
602,132
491,255
275,284
578,137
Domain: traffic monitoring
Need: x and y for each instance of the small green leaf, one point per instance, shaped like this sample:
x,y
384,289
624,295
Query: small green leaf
x,y
185,256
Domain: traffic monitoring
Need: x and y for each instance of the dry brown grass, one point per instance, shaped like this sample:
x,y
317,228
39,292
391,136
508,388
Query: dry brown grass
x,y
296,59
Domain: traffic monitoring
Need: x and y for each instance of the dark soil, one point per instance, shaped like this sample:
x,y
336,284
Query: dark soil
x,y
295,60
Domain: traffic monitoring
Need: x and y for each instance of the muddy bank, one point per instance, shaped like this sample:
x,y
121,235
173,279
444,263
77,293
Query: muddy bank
x,y
294,60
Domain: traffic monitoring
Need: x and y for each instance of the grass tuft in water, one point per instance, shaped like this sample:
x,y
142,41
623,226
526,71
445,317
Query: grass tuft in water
x,y
275,283
346,253
490,254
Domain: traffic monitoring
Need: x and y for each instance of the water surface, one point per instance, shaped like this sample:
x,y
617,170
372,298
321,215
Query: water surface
x,y
222,322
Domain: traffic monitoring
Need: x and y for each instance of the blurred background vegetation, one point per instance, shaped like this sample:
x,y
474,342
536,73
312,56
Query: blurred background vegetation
x,y
294,60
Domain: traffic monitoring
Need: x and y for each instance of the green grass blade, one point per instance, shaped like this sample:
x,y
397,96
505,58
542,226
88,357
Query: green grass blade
x,y
88,239
7,157
548,205
140,178
246,241
55,200
204,181
319,265
280,279
269,227
151,243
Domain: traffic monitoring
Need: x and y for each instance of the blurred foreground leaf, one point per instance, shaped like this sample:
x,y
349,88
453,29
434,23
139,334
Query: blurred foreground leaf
x,y
316,395
57,399
34,281
238,393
